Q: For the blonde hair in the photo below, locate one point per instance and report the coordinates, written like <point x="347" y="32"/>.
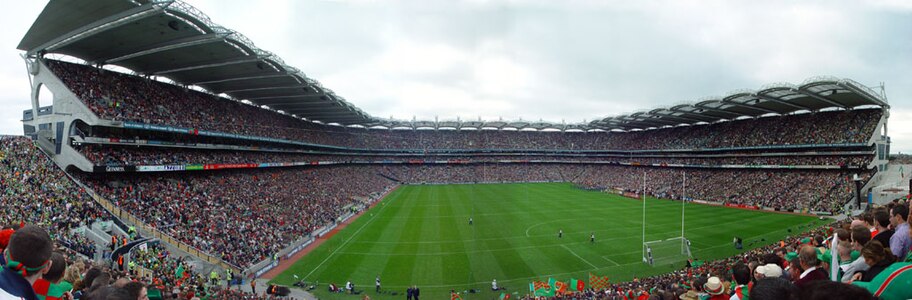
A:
<point x="72" y="275"/>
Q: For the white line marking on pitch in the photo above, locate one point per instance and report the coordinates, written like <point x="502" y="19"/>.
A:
<point x="611" y="261"/>
<point x="580" y="257"/>
<point x="346" y="241"/>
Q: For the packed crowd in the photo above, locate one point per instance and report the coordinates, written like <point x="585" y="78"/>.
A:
<point x="34" y="268"/>
<point x="128" y="155"/>
<point x="815" y="190"/>
<point x="34" y="191"/>
<point x="117" y="96"/>
<point x="166" y="271"/>
<point x="872" y="253"/>
<point x="248" y="220"/>
<point x="241" y="217"/>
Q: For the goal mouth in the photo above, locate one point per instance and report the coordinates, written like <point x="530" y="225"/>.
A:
<point x="667" y="251"/>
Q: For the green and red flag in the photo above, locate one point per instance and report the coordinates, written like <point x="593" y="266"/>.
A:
<point x="598" y="282"/>
<point x="541" y="288"/>
<point x="559" y="287"/>
<point x="577" y="285"/>
<point x="504" y="296"/>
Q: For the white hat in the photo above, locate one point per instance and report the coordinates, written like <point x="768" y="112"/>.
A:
<point x="770" y="270"/>
<point x="713" y="286"/>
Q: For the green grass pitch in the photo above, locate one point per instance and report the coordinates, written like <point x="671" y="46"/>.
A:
<point x="420" y="235"/>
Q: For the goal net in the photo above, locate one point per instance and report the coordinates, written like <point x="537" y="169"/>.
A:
<point x="667" y="251"/>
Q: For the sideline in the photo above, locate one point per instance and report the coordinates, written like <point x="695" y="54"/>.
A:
<point x="287" y="263"/>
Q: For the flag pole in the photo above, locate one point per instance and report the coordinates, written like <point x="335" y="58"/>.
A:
<point x="644" y="214"/>
<point x="683" y="200"/>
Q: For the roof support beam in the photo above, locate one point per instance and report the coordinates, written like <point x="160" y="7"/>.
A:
<point x="664" y="120"/>
<point x="110" y="22"/>
<point x="718" y="110"/>
<point x="267" y="98"/>
<point x="681" y="117"/>
<point x="211" y="64"/>
<point x="780" y="101"/>
<point x="323" y="109"/>
<point x="820" y="98"/>
<point x="170" y="45"/>
<point x="296" y="103"/>
<point x="264" y="88"/>
<point x="693" y="116"/>
<point x="201" y="83"/>
<point x="750" y="107"/>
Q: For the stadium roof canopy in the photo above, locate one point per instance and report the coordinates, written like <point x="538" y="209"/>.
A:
<point x="172" y="39"/>
<point x="175" y="40"/>
<point x="814" y="94"/>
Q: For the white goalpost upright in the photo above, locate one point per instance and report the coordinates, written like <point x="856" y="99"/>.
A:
<point x="669" y="250"/>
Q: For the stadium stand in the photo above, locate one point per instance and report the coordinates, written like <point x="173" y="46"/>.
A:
<point x="784" y="147"/>
<point x="807" y="159"/>
<point x="132" y="156"/>
<point x="116" y="96"/>
<point x="245" y="221"/>
<point x="35" y="191"/>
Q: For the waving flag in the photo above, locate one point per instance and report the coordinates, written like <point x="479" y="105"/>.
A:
<point x="540" y="288"/>
<point x="597" y="282"/>
<point x="577" y="285"/>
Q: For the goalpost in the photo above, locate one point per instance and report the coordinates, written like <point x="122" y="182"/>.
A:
<point x="669" y="250"/>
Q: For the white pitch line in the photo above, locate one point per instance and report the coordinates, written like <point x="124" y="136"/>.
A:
<point x="580" y="257"/>
<point x="346" y="242"/>
<point x="611" y="261"/>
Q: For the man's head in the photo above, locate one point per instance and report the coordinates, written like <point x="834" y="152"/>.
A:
<point x="771" y="258"/>
<point x="58" y="268"/>
<point x="795" y="268"/>
<point x="773" y="289"/>
<point x="29" y="252"/>
<point x="899" y="214"/>
<point x="137" y="290"/>
<point x="881" y="218"/>
<point x="807" y="255"/>
<point x="868" y="217"/>
<point x="741" y="273"/>
<point x="860" y="237"/>
<point x="780" y="252"/>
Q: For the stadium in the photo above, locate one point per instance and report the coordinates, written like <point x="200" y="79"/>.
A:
<point x="177" y="154"/>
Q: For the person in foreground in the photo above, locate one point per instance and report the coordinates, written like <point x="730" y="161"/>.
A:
<point x="25" y="260"/>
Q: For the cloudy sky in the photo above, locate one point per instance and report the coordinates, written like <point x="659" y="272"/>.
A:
<point x="550" y="60"/>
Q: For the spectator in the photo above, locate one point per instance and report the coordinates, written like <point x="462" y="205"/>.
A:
<point x="860" y="238"/>
<point x="876" y="256"/>
<point x="832" y="290"/>
<point x="882" y="225"/>
<point x="892" y="283"/>
<point x="48" y="286"/>
<point x="774" y="289"/>
<point x="900" y="242"/>
<point x="807" y="256"/>
<point x="742" y="276"/>
<point x="27" y="257"/>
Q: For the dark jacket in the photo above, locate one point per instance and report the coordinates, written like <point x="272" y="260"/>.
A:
<point x="15" y="285"/>
<point x="868" y="276"/>
<point x="816" y="274"/>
